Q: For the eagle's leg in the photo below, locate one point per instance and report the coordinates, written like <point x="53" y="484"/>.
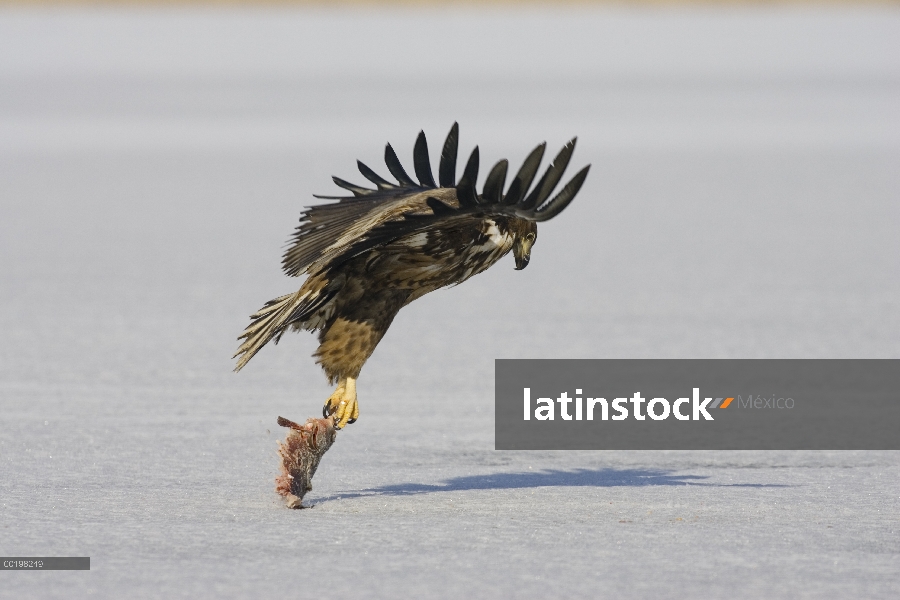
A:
<point x="347" y="342"/>
<point x="342" y="405"/>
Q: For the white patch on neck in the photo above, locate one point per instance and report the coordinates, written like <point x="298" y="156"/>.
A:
<point x="497" y="240"/>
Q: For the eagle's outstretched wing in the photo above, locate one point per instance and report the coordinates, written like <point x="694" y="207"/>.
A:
<point x="391" y="217"/>
<point x="331" y="234"/>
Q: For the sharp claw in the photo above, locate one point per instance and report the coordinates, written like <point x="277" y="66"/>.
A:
<point x="351" y="421"/>
<point x="341" y="406"/>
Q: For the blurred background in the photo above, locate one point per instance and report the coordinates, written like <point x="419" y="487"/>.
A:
<point x="154" y="159"/>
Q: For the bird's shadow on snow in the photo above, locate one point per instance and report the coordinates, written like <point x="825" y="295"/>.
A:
<point x="546" y="478"/>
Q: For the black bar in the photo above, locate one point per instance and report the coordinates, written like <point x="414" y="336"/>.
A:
<point x="45" y="563"/>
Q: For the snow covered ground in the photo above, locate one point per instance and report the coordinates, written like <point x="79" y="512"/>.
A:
<point x="743" y="203"/>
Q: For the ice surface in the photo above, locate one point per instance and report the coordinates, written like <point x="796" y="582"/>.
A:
<point x="743" y="203"/>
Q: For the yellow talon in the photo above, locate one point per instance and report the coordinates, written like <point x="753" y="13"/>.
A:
<point x="342" y="406"/>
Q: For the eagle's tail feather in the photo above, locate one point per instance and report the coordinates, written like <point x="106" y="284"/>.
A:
<point x="268" y="322"/>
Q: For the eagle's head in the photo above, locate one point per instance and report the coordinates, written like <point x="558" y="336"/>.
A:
<point x="525" y="235"/>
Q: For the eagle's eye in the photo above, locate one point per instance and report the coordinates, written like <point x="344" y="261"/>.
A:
<point x="529" y="237"/>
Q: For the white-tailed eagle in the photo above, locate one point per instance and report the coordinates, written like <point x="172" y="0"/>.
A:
<point x="368" y="255"/>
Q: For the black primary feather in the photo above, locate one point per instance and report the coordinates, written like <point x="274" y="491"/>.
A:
<point x="519" y="187"/>
<point x="447" y="168"/>
<point x="550" y="178"/>
<point x="422" y="162"/>
<point x="493" y="185"/>
<point x="562" y="199"/>
<point x="465" y="189"/>
<point x="383" y="184"/>
<point x="351" y="187"/>
<point x="396" y="169"/>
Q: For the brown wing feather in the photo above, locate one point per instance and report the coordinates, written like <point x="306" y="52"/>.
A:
<point x="320" y="226"/>
<point x="372" y="217"/>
